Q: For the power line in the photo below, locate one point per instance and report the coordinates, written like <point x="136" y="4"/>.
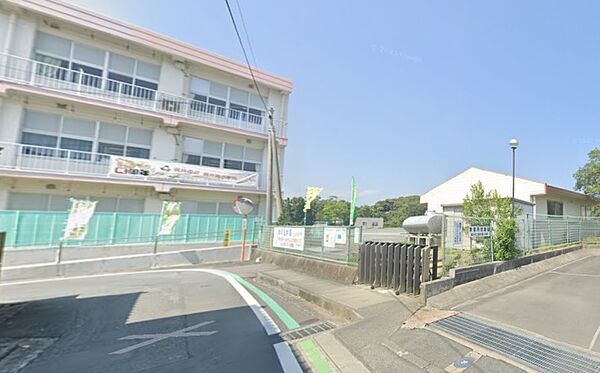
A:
<point x="246" y="32"/>
<point x="237" y="32"/>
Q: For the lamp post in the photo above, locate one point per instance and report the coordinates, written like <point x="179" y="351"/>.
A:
<point x="513" y="143"/>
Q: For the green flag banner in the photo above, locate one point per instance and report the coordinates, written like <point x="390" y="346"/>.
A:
<point x="353" y="196"/>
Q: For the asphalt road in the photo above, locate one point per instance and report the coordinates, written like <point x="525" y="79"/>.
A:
<point x="562" y="304"/>
<point x="151" y="322"/>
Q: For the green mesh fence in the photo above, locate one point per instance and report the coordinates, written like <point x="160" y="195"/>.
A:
<point x="29" y="229"/>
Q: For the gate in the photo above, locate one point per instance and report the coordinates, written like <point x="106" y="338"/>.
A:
<point x="397" y="266"/>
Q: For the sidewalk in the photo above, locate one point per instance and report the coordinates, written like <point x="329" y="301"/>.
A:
<point x="373" y="333"/>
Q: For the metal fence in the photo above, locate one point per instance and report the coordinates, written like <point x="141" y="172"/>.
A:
<point x="535" y="233"/>
<point x="343" y="249"/>
<point x="397" y="266"/>
<point x="31" y="229"/>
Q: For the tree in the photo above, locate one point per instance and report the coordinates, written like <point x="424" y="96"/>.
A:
<point x="481" y="208"/>
<point x="587" y="178"/>
<point x="334" y="211"/>
<point x="395" y="210"/>
<point x="292" y="213"/>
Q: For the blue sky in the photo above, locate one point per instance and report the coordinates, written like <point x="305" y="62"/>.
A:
<point x="405" y="94"/>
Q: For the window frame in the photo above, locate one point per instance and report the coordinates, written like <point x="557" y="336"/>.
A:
<point x="71" y="74"/>
<point x="201" y="154"/>
<point x="246" y="115"/>
<point x="95" y="139"/>
<point x="555" y="203"/>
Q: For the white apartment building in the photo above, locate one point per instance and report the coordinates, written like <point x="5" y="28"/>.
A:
<point x="93" y="107"/>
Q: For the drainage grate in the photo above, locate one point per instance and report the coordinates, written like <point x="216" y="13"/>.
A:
<point x="536" y="353"/>
<point x="309" y="330"/>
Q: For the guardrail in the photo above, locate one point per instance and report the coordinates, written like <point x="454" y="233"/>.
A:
<point x="35" y="73"/>
<point x="397" y="266"/>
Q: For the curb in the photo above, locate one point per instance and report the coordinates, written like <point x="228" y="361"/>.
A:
<point x="117" y="264"/>
<point x="334" y="307"/>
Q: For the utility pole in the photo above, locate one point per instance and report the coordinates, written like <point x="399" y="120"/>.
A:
<point x="273" y="172"/>
<point x="269" y="207"/>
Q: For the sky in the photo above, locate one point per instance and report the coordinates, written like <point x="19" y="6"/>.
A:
<point x="403" y="95"/>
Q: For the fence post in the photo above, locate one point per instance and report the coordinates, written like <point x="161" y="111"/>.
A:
<point x="186" y="238"/>
<point x="17" y="219"/>
<point x="253" y="230"/>
<point x="443" y="244"/>
<point x="403" y="267"/>
<point x="322" y="243"/>
<point x="549" y="231"/>
<point x="492" y="241"/>
<point x="349" y="241"/>
<point x="567" y="230"/>
<point x="416" y="283"/>
<point x="113" y="229"/>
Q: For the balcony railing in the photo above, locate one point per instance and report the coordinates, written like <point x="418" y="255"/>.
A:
<point x="36" y="73"/>
<point x="31" y="158"/>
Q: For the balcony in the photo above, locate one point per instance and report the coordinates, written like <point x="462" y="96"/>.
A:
<point x="73" y="163"/>
<point x="38" y="74"/>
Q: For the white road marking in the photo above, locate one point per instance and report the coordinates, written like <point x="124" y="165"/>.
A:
<point x="153" y="338"/>
<point x="575" y="274"/>
<point x="284" y="355"/>
<point x="594" y="338"/>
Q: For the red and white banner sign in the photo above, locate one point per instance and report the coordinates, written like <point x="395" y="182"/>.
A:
<point x="179" y="172"/>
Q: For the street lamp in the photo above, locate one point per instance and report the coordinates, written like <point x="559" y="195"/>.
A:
<point x="513" y="143"/>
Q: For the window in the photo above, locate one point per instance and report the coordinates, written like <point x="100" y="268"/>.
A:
<point x="231" y="164"/>
<point x="132" y="151"/>
<point x="555" y="208"/>
<point x="83" y="64"/>
<point x="132" y="77"/>
<point x="121" y="140"/>
<point x="51" y="202"/>
<point x="203" y="208"/>
<point x="211" y="162"/>
<point x="233" y="156"/>
<point x="112" y="149"/>
<point x="44" y="131"/>
<point x="214" y="98"/>
<point x="223" y="155"/>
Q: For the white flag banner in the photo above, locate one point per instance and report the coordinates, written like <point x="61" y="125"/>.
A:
<point x="171" y="212"/>
<point x="79" y="219"/>
<point x="136" y="168"/>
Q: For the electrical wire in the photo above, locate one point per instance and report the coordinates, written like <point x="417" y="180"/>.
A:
<point x="246" y="32"/>
<point x="237" y="32"/>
